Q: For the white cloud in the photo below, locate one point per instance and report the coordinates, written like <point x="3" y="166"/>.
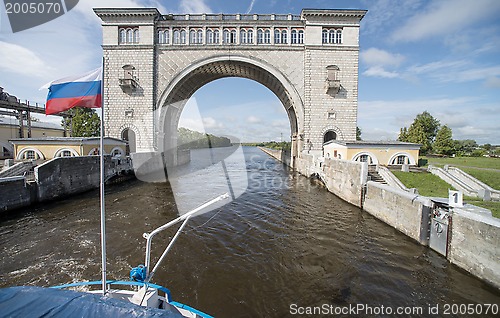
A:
<point x="378" y="57"/>
<point x="492" y="82"/>
<point x="445" y="17"/>
<point x="468" y="117"/>
<point x="458" y="71"/>
<point x="20" y="60"/>
<point x="194" y="6"/>
<point x="250" y="7"/>
<point x="211" y="123"/>
<point x="253" y="119"/>
<point x="383" y="14"/>
<point x="378" y="71"/>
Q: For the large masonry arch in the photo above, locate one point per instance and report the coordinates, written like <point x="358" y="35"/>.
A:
<point x="149" y="77"/>
<point x="200" y="73"/>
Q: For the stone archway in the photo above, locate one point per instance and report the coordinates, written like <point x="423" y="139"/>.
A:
<point x="182" y="87"/>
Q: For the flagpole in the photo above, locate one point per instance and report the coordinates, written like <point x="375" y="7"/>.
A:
<point x="103" y="214"/>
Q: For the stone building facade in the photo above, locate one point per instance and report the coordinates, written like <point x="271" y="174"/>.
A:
<point x="154" y="63"/>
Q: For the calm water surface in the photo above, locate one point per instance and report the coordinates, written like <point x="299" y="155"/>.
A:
<point x="285" y="241"/>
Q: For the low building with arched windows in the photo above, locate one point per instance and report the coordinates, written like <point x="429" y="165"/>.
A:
<point x="10" y="128"/>
<point x="385" y="153"/>
<point x="54" y="147"/>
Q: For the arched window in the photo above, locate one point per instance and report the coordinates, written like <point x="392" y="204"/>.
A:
<point x="339" y="37"/>
<point x="129" y="136"/>
<point x="130" y="36"/>
<point x="136" y="36"/>
<point x="301" y="37"/>
<point x="161" y="36"/>
<point x="192" y="37"/>
<point x="267" y="37"/>
<point x="30" y="154"/>
<point x="229" y="36"/>
<point x="183" y="36"/>
<point x="200" y="36"/>
<point x="123" y="36"/>
<point x="216" y="36"/>
<point x="277" y="36"/>
<point x="365" y="157"/>
<point x="331" y="37"/>
<point x="284" y="37"/>
<point x="325" y="36"/>
<point x="177" y="37"/>
<point x="65" y="152"/>
<point x="294" y="37"/>
<point x="260" y="36"/>
<point x="250" y="36"/>
<point x="402" y="158"/>
<point x="117" y="152"/>
<point x="210" y="36"/>
<point x="329" y="135"/>
<point x="243" y="36"/>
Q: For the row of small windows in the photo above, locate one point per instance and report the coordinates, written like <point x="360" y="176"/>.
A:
<point x="332" y="36"/>
<point x="35" y="154"/>
<point x="247" y="36"/>
<point x="128" y="35"/>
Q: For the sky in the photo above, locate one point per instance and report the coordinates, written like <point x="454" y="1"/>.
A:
<point x="439" y="56"/>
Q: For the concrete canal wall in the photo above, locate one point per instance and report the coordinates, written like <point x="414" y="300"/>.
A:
<point x="69" y="175"/>
<point x="474" y="243"/>
<point x="406" y="212"/>
<point x="14" y="193"/>
<point x="281" y="155"/>
<point x="345" y="179"/>
<point x="56" y="178"/>
<point x="474" y="237"/>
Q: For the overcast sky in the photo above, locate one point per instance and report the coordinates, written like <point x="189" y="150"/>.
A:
<point x="442" y="56"/>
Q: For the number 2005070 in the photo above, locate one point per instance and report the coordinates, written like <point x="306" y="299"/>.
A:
<point x="33" y="7"/>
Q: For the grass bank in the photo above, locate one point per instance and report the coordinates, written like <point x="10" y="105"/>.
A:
<point x="474" y="162"/>
<point x="430" y="185"/>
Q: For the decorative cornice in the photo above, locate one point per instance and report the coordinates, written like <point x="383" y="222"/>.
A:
<point x="341" y="13"/>
<point x="126" y="12"/>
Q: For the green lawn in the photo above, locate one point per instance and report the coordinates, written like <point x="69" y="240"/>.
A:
<point x="427" y="184"/>
<point x="478" y="162"/>
<point x="432" y="186"/>
<point x="494" y="207"/>
<point x="490" y="177"/>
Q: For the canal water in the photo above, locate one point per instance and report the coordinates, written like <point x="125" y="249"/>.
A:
<point x="283" y="245"/>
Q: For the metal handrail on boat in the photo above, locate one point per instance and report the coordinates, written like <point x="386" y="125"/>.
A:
<point x="118" y="282"/>
<point x="185" y="218"/>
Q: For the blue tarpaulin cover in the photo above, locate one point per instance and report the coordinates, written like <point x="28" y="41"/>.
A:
<point x="31" y="301"/>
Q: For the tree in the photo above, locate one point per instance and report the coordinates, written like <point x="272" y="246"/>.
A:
<point x="423" y="131"/>
<point x="465" y="147"/>
<point x="84" y="122"/>
<point x="358" y="133"/>
<point x="444" y="144"/>
<point x="429" y="124"/>
<point x="403" y="134"/>
<point x="416" y="134"/>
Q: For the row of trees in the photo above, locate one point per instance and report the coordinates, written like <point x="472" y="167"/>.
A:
<point x="436" y="138"/>
<point x="190" y="139"/>
<point x="271" y="144"/>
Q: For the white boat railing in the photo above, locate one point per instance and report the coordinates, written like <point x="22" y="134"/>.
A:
<point x="185" y="217"/>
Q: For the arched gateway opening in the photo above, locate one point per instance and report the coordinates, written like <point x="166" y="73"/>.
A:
<point x="181" y="88"/>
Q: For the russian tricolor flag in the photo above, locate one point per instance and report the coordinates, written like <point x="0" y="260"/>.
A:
<point x="74" y="91"/>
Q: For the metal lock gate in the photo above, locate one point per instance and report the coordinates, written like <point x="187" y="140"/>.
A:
<point x="438" y="239"/>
